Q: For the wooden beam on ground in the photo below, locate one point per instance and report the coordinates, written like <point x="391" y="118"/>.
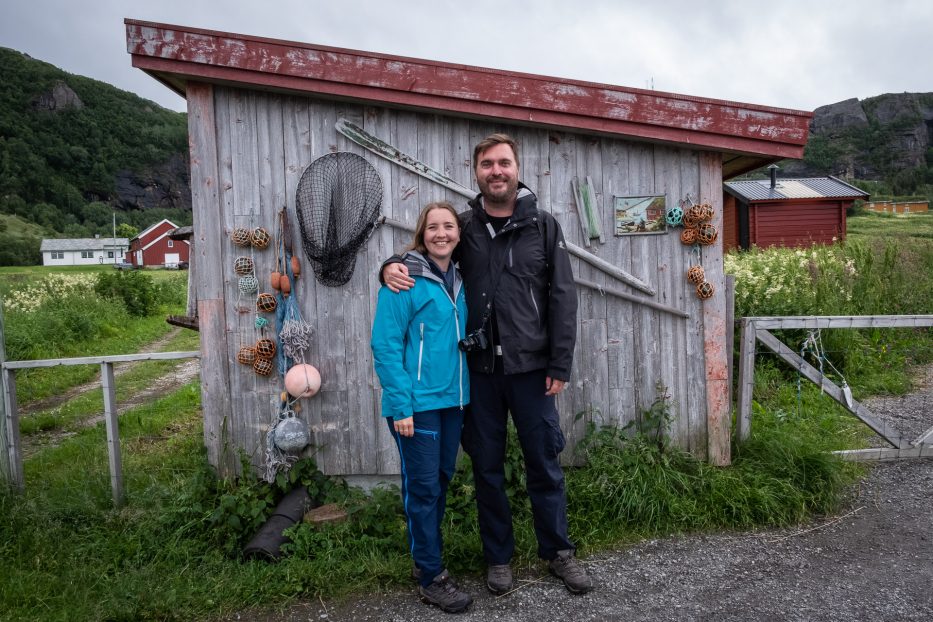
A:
<point x="886" y="453"/>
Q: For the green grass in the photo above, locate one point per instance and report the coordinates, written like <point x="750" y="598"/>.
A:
<point x="174" y="550"/>
<point x="138" y="378"/>
<point x="873" y="224"/>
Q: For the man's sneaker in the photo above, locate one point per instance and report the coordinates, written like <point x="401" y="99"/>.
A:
<point x="499" y="579"/>
<point x="566" y="568"/>
<point x="444" y="593"/>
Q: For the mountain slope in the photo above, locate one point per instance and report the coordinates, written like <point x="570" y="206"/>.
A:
<point x="73" y="150"/>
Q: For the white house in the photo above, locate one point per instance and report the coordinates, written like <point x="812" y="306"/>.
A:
<point x="83" y="251"/>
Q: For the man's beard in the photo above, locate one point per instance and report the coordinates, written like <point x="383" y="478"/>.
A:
<point x="503" y="196"/>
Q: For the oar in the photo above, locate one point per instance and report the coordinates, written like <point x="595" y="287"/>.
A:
<point x="381" y="148"/>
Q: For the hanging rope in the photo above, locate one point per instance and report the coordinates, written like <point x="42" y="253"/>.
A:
<point x="813" y="345"/>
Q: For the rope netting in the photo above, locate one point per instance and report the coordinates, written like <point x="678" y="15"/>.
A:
<point x="337" y="203"/>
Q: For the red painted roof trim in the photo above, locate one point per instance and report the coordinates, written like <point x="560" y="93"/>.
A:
<point x="178" y="54"/>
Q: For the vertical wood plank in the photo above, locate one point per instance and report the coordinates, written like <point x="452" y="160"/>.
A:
<point x="11" y="459"/>
<point x="378" y="122"/>
<point x="362" y="431"/>
<point x="694" y="361"/>
<point x="620" y="313"/>
<point x="644" y="258"/>
<point x="670" y="291"/>
<point x="746" y="380"/>
<point x="334" y="305"/>
<point x="714" y="320"/>
<point x="12" y="448"/>
<point x="207" y="212"/>
<point x="114" y="456"/>
<point x="250" y="208"/>
<point x="296" y="128"/>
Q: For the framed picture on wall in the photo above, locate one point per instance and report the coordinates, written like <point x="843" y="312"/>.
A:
<point x="641" y="214"/>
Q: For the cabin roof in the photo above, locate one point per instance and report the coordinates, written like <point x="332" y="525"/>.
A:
<point x="748" y="135"/>
<point x="82" y="244"/>
<point x="789" y="189"/>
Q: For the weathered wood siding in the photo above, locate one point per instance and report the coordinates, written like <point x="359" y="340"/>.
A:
<point x="248" y="152"/>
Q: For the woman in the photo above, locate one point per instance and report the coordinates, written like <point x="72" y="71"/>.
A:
<point x="425" y="387"/>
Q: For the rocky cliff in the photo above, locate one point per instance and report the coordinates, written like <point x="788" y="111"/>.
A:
<point x="869" y="139"/>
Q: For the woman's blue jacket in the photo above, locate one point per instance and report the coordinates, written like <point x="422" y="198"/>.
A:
<point x="414" y="342"/>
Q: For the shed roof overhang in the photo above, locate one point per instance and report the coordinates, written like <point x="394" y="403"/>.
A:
<point x="748" y="135"/>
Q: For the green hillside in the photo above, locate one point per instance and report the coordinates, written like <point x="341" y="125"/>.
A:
<point x="74" y="151"/>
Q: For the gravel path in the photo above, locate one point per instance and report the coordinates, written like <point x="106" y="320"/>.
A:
<point x="873" y="561"/>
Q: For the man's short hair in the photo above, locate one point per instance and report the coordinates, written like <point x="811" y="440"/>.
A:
<point x="491" y="141"/>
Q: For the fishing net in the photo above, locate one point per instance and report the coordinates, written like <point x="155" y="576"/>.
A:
<point x="337" y="204"/>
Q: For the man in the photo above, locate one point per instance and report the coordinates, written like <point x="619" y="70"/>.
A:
<point x="521" y="331"/>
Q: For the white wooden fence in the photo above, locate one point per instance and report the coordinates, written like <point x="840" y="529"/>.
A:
<point x="11" y="460"/>
<point x="757" y="329"/>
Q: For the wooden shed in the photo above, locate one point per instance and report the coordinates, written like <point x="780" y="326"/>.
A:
<point x="261" y="110"/>
<point x="786" y="212"/>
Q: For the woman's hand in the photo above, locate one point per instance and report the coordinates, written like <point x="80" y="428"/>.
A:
<point x="405" y="427"/>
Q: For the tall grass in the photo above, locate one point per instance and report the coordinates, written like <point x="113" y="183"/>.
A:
<point x="65" y="315"/>
<point x="175" y="550"/>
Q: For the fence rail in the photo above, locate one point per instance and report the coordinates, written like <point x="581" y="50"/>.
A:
<point x="757" y="329"/>
<point x="11" y="460"/>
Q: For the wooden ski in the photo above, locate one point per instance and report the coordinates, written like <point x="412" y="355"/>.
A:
<point x="383" y="149"/>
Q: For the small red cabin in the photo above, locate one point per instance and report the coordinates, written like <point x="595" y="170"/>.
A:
<point x="154" y="247"/>
<point x="786" y="212"/>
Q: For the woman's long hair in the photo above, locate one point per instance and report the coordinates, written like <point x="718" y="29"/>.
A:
<point x="417" y="242"/>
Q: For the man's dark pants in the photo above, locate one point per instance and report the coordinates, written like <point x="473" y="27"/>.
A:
<point x="492" y="397"/>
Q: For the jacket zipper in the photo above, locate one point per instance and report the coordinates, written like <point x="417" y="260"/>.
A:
<point x="460" y="355"/>
<point x="531" y="292"/>
<point x="420" y="351"/>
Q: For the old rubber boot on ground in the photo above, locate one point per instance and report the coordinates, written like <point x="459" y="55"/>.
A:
<point x="566" y="568"/>
<point x="499" y="579"/>
<point x="444" y="593"/>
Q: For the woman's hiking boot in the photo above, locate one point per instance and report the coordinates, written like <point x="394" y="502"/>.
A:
<point x="444" y="593"/>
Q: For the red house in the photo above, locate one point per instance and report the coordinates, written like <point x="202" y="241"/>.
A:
<point x="154" y="247"/>
<point x="786" y="212"/>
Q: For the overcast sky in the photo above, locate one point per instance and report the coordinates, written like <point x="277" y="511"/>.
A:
<point x="786" y="53"/>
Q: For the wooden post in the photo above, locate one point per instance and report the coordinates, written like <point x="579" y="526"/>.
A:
<point x="206" y="253"/>
<point x="718" y="419"/>
<point x="746" y="380"/>
<point x="11" y="457"/>
<point x="730" y="331"/>
<point x="113" y="432"/>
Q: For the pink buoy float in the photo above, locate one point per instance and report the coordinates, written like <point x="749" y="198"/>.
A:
<point x="302" y="380"/>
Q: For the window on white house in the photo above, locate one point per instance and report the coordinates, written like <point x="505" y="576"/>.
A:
<point x="87" y="254"/>
<point x="58" y="255"/>
<point x="109" y="254"/>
